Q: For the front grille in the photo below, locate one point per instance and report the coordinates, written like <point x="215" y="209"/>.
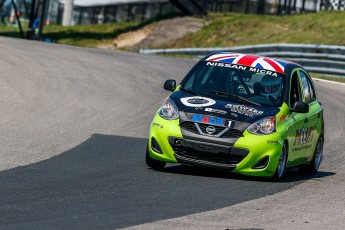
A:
<point x="233" y="133"/>
<point x="219" y="158"/>
<point x="191" y="127"/>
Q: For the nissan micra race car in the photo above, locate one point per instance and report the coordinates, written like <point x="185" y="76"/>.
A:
<point x="251" y="115"/>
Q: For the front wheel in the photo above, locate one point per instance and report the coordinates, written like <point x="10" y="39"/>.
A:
<point x="281" y="164"/>
<point x="152" y="163"/>
<point x="315" y="163"/>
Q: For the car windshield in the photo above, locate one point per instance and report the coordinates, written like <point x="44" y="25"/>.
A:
<point x="234" y="82"/>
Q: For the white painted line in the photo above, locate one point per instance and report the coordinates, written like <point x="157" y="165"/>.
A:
<point x="334" y="82"/>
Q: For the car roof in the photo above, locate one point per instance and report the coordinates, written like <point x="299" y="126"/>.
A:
<point x="255" y="61"/>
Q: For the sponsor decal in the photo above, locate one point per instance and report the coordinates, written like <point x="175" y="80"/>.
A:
<point x="215" y="111"/>
<point x="208" y="120"/>
<point x="227" y="65"/>
<point x="235" y="60"/>
<point x="272" y="142"/>
<point x="157" y="125"/>
<point x="282" y="117"/>
<point x="197" y="101"/>
<point x="301" y="148"/>
<point x="262" y="71"/>
<point x="245" y="68"/>
<point x="303" y="137"/>
<point x="244" y="110"/>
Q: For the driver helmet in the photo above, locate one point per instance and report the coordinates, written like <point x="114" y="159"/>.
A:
<point x="271" y="86"/>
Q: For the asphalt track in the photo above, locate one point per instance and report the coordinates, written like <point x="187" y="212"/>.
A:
<point x="74" y="124"/>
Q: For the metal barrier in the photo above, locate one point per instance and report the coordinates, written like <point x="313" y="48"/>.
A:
<point x="321" y="59"/>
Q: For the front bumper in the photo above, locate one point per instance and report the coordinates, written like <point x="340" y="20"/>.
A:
<point x="252" y="155"/>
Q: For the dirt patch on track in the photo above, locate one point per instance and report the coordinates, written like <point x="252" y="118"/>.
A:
<point x="157" y="34"/>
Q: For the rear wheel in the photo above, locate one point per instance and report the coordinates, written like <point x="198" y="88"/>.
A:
<point x="152" y="163"/>
<point x="315" y="163"/>
<point x="281" y="164"/>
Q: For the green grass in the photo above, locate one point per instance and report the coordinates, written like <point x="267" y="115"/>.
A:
<point x="224" y="30"/>
<point x="81" y="35"/>
<point x="87" y="35"/>
<point x="90" y="35"/>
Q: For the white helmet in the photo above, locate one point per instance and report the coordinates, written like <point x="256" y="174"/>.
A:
<point x="271" y="86"/>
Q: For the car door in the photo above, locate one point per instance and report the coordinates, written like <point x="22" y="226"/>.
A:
<point x="296" y="130"/>
<point x="313" y="125"/>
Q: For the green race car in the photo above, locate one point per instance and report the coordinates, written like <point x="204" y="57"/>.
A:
<point x="251" y="115"/>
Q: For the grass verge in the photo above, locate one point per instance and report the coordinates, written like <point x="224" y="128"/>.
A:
<point x="91" y="35"/>
<point x="225" y="29"/>
<point x="230" y="29"/>
<point x="80" y="35"/>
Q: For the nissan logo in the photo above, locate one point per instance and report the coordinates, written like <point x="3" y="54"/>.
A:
<point x="210" y="129"/>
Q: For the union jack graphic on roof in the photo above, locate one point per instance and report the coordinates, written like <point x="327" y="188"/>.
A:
<point x="250" y="60"/>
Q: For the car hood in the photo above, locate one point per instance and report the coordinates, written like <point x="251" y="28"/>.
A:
<point x="230" y="109"/>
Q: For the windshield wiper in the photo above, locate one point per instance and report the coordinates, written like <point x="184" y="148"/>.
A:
<point x="243" y="99"/>
<point x="190" y="91"/>
<point x="220" y="93"/>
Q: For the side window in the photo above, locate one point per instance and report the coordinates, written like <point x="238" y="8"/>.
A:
<point x="306" y="89"/>
<point x="295" y="90"/>
<point x="309" y="92"/>
<point x="311" y="88"/>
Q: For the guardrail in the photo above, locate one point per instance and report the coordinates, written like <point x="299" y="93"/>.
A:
<point x="321" y="59"/>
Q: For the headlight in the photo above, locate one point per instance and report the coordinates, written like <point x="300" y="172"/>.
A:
<point x="169" y="110"/>
<point x="263" y="126"/>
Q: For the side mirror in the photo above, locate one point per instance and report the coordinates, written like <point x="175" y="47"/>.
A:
<point x="300" y="107"/>
<point x="170" y="85"/>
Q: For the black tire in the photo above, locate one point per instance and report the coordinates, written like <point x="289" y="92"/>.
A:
<point x="152" y="163"/>
<point x="314" y="164"/>
<point x="279" y="173"/>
